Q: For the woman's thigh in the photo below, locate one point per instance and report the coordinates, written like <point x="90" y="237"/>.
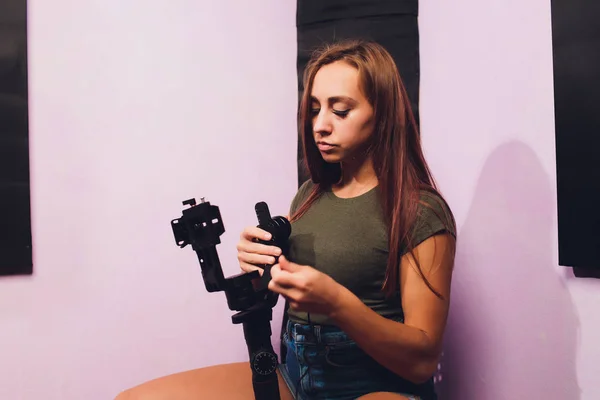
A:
<point x="384" y="396"/>
<point x="227" y="382"/>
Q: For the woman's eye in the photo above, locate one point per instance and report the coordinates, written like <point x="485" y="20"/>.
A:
<point x="341" y="113"/>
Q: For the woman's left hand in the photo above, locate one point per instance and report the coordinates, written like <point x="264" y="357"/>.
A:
<point x="305" y="288"/>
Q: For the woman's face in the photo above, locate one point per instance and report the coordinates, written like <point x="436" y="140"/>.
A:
<point x="342" y="118"/>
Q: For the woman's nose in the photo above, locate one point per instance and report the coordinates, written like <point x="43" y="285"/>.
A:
<point x="322" y="124"/>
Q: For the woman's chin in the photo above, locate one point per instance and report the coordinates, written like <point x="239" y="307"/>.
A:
<point x="332" y="155"/>
<point x="331" y="158"/>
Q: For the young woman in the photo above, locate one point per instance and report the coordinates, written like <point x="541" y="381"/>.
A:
<point x="368" y="272"/>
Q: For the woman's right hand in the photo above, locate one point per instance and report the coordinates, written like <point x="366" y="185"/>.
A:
<point x="251" y="253"/>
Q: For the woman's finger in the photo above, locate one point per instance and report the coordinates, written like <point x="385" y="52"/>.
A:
<point x="254" y="232"/>
<point x="282" y="279"/>
<point x="258" y="248"/>
<point x="287" y="265"/>
<point x="256" y="259"/>
<point x="249" y="268"/>
<point x="291" y="294"/>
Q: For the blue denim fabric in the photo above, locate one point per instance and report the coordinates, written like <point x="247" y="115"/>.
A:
<point x="322" y="362"/>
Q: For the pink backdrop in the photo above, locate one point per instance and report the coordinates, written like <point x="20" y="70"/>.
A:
<point x="520" y="325"/>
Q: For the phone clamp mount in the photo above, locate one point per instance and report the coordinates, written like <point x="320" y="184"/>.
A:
<point x="201" y="226"/>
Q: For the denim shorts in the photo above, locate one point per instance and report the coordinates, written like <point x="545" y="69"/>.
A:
<point x="322" y="362"/>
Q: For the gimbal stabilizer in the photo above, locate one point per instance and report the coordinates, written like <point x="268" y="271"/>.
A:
<point x="201" y="226"/>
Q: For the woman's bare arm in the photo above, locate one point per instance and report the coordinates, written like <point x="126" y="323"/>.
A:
<point x="411" y="349"/>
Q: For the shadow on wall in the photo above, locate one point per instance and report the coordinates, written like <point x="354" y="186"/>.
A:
<point x="513" y="329"/>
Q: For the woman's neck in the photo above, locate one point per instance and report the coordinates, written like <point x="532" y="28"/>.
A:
<point x="357" y="178"/>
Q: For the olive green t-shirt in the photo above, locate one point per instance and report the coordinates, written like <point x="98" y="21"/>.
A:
<point x="346" y="238"/>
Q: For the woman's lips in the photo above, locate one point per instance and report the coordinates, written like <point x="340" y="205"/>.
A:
<point x="323" y="146"/>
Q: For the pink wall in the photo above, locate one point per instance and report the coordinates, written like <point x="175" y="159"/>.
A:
<point x="172" y="99"/>
<point x="520" y="326"/>
<point x="135" y="107"/>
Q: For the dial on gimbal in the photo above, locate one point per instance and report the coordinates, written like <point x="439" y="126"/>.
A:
<point x="201" y="226"/>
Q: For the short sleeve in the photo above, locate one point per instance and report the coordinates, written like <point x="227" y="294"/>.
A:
<point x="433" y="217"/>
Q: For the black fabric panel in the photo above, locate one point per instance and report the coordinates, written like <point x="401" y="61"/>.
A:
<point x="309" y="12"/>
<point x="576" y="51"/>
<point x="388" y="25"/>
<point x="15" y="220"/>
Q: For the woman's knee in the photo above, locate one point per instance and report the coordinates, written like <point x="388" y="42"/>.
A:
<point x="124" y="395"/>
<point x="226" y="381"/>
<point x="222" y="381"/>
<point x="384" y="396"/>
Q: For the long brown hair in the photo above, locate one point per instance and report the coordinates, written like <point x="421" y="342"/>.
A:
<point x="395" y="146"/>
